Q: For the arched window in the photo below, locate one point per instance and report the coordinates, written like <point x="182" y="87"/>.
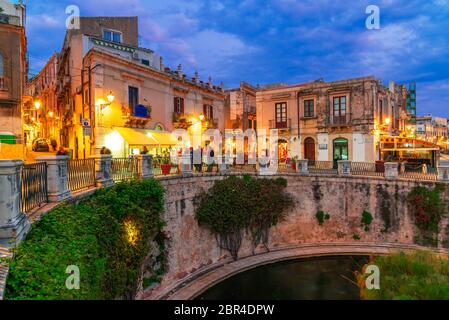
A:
<point x="2" y="72"/>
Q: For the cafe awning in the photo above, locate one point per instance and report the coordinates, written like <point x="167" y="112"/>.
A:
<point x="137" y="137"/>
<point x="165" y="139"/>
<point x="389" y="143"/>
<point x="149" y="138"/>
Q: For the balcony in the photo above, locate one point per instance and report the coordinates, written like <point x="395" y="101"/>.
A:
<point x="339" y="121"/>
<point x="287" y="125"/>
<point x="138" y="118"/>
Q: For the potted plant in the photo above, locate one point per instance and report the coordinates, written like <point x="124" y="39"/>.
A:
<point x="166" y="164"/>
<point x="293" y="163"/>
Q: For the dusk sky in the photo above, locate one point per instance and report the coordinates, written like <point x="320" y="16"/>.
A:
<point x="289" y="41"/>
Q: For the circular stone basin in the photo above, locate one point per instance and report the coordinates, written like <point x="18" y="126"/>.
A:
<point x="326" y="278"/>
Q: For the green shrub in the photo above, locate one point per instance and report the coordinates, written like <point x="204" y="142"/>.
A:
<point x="235" y="205"/>
<point x="107" y="236"/>
<point x="416" y="276"/>
<point x="322" y="216"/>
<point x="367" y="219"/>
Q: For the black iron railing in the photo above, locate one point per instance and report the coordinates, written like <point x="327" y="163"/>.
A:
<point x="124" y="169"/>
<point x="81" y="174"/>
<point x="34" y="192"/>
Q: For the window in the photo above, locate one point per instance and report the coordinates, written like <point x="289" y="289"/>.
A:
<point x="281" y="115"/>
<point x="113" y="36"/>
<point x="146" y="62"/>
<point x="179" y="106"/>
<point x="309" y="109"/>
<point x="133" y="98"/>
<point x="381" y="111"/>
<point x="208" y="111"/>
<point x="339" y="106"/>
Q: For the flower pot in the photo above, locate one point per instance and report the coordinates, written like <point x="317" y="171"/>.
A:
<point x="166" y="168"/>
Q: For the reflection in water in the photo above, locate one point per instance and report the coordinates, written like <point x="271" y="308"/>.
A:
<point x="325" y="278"/>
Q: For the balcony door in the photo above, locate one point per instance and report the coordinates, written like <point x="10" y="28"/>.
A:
<point x="339" y="113"/>
<point x="341" y="149"/>
<point x="281" y="115"/>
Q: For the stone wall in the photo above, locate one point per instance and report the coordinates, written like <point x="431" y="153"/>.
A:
<point x="192" y="248"/>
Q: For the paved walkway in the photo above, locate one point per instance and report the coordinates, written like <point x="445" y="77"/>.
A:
<point x="198" y="283"/>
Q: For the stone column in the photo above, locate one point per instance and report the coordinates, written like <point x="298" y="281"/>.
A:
<point x="302" y="166"/>
<point x="443" y="173"/>
<point x="103" y="169"/>
<point x="144" y="166"/>
<point x="391" y="170"/>
<point x="223" y="166"/>
<point x="186" y="164"/>
<point x="344" y="168"/>
<point x="13" y="223"/>
<point x="57" y="177"/>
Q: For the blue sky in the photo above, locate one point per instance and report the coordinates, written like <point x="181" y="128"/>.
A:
<point x="289" y="41"/>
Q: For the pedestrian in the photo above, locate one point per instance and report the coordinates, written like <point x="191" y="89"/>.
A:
<point x="54" y="144"/>
<point x="145" y="150"/>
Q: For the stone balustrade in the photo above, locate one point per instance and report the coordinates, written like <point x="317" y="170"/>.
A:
<point x="13" y="222"/>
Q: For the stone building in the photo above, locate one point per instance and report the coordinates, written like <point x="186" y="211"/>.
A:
<point x="42" y="115"/>
<point x="433" y="129"/>
<point x="241" y="107"/>
<point x="119" y="95"/>
<point x="13" y="75"/>
<point x="326" y="121"/>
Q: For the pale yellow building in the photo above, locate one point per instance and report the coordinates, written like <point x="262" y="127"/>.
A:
<point x="120" y="96"/>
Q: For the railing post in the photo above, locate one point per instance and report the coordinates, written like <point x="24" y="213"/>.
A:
<point x="186" y="164"/>
<point x="103" y="170"/>
<point x="57" y="177"/>
<point x="144" y="166"/>
<point x="302" y="166"/>
<point x="13" y="223"/>
<point x="443" y="173"/>
<point x="344" y="168"/>
<point x="391" y="170"/>
<point x="223" y="167"/>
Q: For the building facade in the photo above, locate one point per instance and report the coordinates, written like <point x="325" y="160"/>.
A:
<point x="328" y="121"/>
<point x="241" y="106"/>
<point x="42" y="114"/>
<point x="433" y="129"/>
<point x="117" y="95"/>
<point x="13" y="75"/>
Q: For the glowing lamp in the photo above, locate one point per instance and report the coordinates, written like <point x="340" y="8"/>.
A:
<point x="387" y="121"/>
<point x="111" y="97"/>
<point x="37" y="105"/>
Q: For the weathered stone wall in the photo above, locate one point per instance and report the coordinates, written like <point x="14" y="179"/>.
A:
<point x="192" y="248"/>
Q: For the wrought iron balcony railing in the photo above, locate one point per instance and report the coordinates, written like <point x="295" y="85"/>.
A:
<point x="343" y="120"/>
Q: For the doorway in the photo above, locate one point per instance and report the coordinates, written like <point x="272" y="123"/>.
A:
<point x="309" y="149"/>
<point x="341" y="149"/>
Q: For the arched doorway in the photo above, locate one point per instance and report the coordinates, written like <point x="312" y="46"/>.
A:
<point x="341" y="149"/>
<point x="282" y="150"/>
<point x="309" y="149"/>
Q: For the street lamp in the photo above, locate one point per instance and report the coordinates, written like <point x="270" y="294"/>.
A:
<point x="37" y="105"/>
